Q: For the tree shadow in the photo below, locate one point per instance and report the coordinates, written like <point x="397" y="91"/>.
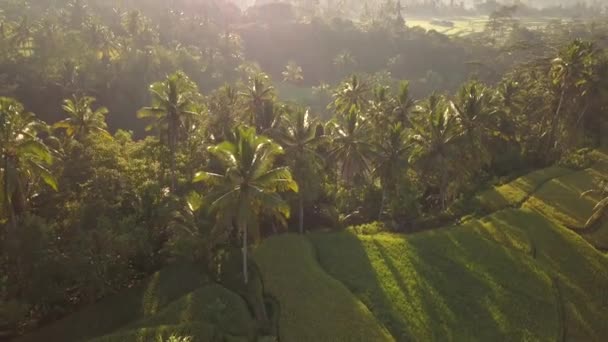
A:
<point x="441" y="285"/>
<point x="580" y="270"/>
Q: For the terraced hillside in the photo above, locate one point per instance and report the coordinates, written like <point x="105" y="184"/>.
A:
<point x="177" y="301"/>
<point x="313" y="305"/>
<point x="516" y="274"/>
<point x="526" y="271"/>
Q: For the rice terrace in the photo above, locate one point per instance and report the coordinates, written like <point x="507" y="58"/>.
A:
<point x="299" y="170"/>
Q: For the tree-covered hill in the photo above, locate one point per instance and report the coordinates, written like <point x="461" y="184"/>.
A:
<point x="194" y="170"/>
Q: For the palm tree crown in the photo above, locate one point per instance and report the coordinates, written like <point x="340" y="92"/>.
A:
<point x="250" y="184"/>
<point x="25" y="158"/>
<point x="82" y="119"/>
<point x="174" y="109"/>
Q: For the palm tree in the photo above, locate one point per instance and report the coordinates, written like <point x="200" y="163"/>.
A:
<point x="174" y="106"/>
<point x="351" y="149"/>
<point x="567" y="74"/>
<point x="390" y="159"/>
<point x="297" y="134"/>
<point x="601" y="207"/>
<point x="475" y="109"/>
<point x="293" y="73"/>
<point x="404" y="104"/>
<point x="435" y="130"/>
<point x="258" y="96"/>
<point x="82" y="119"/>
<point x="351" y="94"/>
<point x="222" y="106"/>
<point x="25" y="158"/>
<point x="248" y="187"/>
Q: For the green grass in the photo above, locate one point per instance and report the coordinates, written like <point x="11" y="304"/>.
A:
<point x="560" y="198"/>
<point x="198" y="332"/>
<point x="210" y="304"/>
<point x="452" y="284"/>
<point x="210" y="313"/>
<point x="580" y="270"/>
<point x="313" y="305"/>
<point x="118" y="310"/>
<point x="515" y="192"/>
<point x="514" y="275"/>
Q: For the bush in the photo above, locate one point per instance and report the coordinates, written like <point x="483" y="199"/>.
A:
<point x="371" y="228"/>
<point x="578" y="160"/>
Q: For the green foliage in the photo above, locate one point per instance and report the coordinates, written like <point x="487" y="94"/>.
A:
<point x="26" y="159"/>
<point x="212" y="304"/>
<point x="200" y="332"/>
<point x="577" y="160"/>
<point x="114" y="312"/>
<point x="117" y="209"/>
<point x="313" y="305"/>
<point x="368" y="228"/>
<point x="82" y="119"/>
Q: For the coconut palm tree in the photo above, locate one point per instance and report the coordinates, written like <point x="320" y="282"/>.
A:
<point x="293" y="73"/>
<point x="351" y="94"/>
<point x="25" y="158"/>
<point x="390" y="159"/>
<point x="82" y="119"/>
<point x="258" y="97"/>
<point x="297" y="133"/>
<point x="435" y="130"/>
<point x="404" y="104"/>
<point x="174" y="106"/>
<point x="568" y="75"/>
<point x="249" y="185"/>
<point x="351" y="149"/>
<point x="476" y="109"/>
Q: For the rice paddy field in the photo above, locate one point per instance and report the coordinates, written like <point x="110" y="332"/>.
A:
<point x="462" y="26"/>
<point x="528" y="270"/>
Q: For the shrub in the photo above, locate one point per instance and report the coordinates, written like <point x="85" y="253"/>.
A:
<point x="369" y="228"/>
<point x="578" y="160"/>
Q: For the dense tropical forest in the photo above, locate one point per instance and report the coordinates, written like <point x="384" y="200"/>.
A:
<point x="210" y="170"/>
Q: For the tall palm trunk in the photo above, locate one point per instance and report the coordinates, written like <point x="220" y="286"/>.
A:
<point x="301" y="213"/>
<point x="12" y="216"/>
<point x="383" y="200"/>
<point x="443" y="186"/>
<point x="555" y="120"/>
<point x="172" y="136"/>
<point x="245" y="257"/>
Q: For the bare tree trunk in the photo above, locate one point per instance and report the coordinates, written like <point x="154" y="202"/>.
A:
<point x="245" y="258"/>
<point x="582" y="115"/>
<point x="172" y="148"/>
<point x="444" y="185"/>
<point x="555" y="120"/>
<point x="301" y="213"/>
<point x="382" y="201"/>
<point x="12" y="216"/>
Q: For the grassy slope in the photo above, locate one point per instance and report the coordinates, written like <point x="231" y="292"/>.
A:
<point x="516" y="274"/>
<point x="560" y="199"/>
<point x="207" y="314"/>
<point x="446" y="285"/>
<point x="579" y="270"/>
<point x="175" y="301"/>
<point x="515" y="192"/>
<point x="313" y="306"/>
<point x="116" y="311"/>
